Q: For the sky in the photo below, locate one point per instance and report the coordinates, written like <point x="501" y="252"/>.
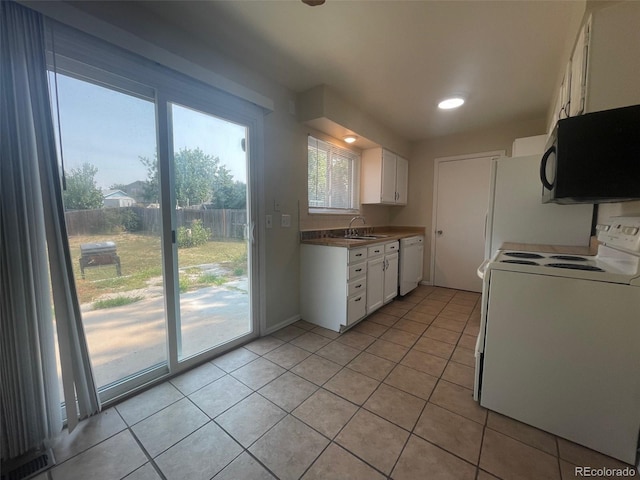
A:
<point x="111" y="130"/>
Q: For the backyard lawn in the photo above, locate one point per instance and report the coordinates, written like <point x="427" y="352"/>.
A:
<point x="141" y="265"/>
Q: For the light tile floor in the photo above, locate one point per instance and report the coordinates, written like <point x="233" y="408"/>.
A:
<point x="391" y="398"/>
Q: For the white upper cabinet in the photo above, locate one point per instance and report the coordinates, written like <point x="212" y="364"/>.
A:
<point x="384" y="177"/>
<point x="613" y="62"/>
<point x="603" y="71"/>
<point x="387" y="180"/>
<point x="402" y="180"/>
<point x="578" y="82"/>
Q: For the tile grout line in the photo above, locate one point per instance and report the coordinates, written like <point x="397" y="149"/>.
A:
<point x="412" y="432"/>
<point x="150" y="459"/>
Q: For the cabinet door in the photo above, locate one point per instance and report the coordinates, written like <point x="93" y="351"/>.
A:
<point x="578" y="74"/>
<point x="402" y="180"/>
<point x="375" y="284"/>
<point x="391" y="277"/>
<point x="565" y="92"/>
<point x="356" y="308"/>
<point x="388" y="187"/>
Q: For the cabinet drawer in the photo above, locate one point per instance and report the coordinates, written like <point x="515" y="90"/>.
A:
<point x="391" y="247"/>
<point x="356" y="308"/>
<point x="375" y="250"/>
<point x="357" y="270"/>
<point x="357" y="254"/>
<point x="356" y="287"/>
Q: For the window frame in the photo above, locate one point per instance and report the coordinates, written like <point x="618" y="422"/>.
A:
<point x="355" y="157"/>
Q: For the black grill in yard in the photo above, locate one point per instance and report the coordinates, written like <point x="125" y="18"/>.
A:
<point x="96" y="254"/>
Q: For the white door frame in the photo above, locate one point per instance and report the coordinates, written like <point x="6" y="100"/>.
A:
<point x="434" y="202"/>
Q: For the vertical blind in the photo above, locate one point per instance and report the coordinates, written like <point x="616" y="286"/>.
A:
<point x="333" y="176"/>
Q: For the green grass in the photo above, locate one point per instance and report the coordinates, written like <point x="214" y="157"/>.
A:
<point x="189" y="282"/>
<point x="141" y="262"/>
<point x="115" y="302"/>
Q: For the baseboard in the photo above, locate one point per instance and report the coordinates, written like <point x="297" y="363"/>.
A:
<point x="282" y="324"/>
<point x="428" y="283"/>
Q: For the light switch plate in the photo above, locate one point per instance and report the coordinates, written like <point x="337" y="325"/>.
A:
<point x="286" y="220"/>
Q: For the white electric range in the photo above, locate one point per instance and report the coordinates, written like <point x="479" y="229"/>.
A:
<point x="559" y="341"/>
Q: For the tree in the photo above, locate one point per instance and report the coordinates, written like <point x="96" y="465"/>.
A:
<point x="227" y="192"/>
<point x="193" y="170"/>
<point x="81" y="192"/>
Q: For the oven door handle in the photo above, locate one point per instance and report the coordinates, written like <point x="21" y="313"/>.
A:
<point x="482" y="269"/>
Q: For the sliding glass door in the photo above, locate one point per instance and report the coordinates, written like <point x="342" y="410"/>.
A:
<point x="114" y="237"/>
<point x="159" y="193"/>
<point x="211" y="224"/>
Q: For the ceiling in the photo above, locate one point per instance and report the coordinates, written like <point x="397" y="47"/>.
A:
<point x="396" y="59"/>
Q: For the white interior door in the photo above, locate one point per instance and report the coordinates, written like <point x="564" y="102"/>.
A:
<point x="462" y="195"/>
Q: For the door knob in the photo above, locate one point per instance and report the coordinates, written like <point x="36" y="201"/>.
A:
<point x="439" y="232"/>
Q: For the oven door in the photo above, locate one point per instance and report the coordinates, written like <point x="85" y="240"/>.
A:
<point x="479" y="351"/>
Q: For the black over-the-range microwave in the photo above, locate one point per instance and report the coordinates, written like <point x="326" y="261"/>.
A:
<point x="593" y="158"/>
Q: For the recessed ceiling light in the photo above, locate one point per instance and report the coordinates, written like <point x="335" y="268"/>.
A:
<point x="449" y="103"/>
<point x="350" y="138"/>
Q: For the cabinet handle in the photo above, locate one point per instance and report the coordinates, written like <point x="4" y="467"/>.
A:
<point x="359" y="286"/>
<point x="358" y="299"/>
<point x="358" y="269"/>
<point x="358" y="254"/>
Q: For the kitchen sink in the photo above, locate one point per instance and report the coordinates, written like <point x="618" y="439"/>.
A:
<point x="365" y="237"/>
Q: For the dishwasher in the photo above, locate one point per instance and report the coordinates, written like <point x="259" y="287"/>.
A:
<point x="411" y="253"/>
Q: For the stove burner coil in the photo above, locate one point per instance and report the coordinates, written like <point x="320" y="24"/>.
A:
<point x="568" y="258"/>
<point x="523" y="255"/>
<point x="574" y="266"/>
<point x="520" y="262"/>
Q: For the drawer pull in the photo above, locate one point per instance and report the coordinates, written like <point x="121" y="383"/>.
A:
<point x="358" y="254"/>
<point x="359" y="286"/>
<point x="358" y="269"/>
<point x="358" y="299"/>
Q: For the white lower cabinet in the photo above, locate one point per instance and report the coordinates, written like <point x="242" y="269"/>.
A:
<point x="340" y="286"/>
<point x="382" y="275"/>
<point x="356" y="308"/>
<point x="391" y="277"/>
<point x="375" y="283"/>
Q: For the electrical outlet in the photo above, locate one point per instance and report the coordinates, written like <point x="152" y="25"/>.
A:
<point x="269" y="221"/>
<point x="286" y="220"/>
<point x="276" y="206"/>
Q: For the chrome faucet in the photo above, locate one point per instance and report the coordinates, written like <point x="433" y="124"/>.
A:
<point x="352" y="231"/>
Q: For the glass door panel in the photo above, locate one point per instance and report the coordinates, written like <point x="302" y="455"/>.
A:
<point x="108" y="140"/>
<point x="210" y="178"/>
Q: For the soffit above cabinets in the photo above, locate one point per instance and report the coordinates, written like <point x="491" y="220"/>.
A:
<point x="335" y="130"/>
<point x="325" y="110"/>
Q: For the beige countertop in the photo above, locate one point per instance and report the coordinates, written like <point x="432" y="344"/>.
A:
<point x="390" y="235"/>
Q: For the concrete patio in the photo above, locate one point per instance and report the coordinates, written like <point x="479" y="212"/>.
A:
<point x="128" y="339"/>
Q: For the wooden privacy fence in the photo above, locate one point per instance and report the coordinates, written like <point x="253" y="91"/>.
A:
<point x="222" y="223"/>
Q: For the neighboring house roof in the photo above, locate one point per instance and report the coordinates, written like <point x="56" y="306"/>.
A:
<point x="114" y="194"/>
